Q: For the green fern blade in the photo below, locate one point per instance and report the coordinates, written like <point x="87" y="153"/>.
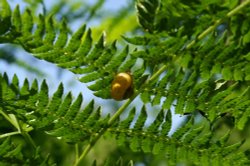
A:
<point x="171" y="151"/>
<point x="40" y="29"/>
<point x="36" y="43"/>
<point x="138" y="40"/>
<point x="38" y="49"/>
<point x="227" y="150"/>
<point x="181" y="131"/>
<point x="50" y="34"/>
<point x="243" y="120"/>
<point x="5" y="9"/>
<point x="138" y="74"/>
<point x="158" y="148"/>
<point x="146" y="97"/>
<point x="157" y="99"/>
<point x="62" y="37"/>
<point x="43" y="96"/>
<point x="179" y="108"/>
<point x="27" y="24"/>
<point x="6" y="93"/>
<point x="202" y="139"/>
<point x="25" y="88"/>
<point x="5" y="17"/>
<point x="135" y="144"/>
<point x="101" y="84"/>
<point x="190" y="105"/>
<point x="26" y="92"/>
<point x="5" y="146"/>
<point x="216" y="69"/>
<point x="126" y="66"/>
<point x="103" y="93"/>
<point x="54" y="104"/>
<point x="74" y="108"/>
<point x="96" y="51"/>
<point x="75" y="40"/>
<point x="247" y="69"/>
<point x="85" y="47"/>
<point x="106" y="56"/>
<point x="227" y="73"/>
<point x="62" y="110"/>
<point x="13" y="154"/>
<point x="189" y="136"/>
<point x="141" y="120"/>
<point x="125" y="124"/>
<point x="147" y="145"/>
<point x="121" y="138"/>
<point x="16" y="20"/>
<point x="79" y="58"/>
<point x="205" y="159"/>
<point x="91" y="121"/>
<point x="82" y="70"/>
<point x="83" y="115"/>
<point x="154" y="127"/>
<point x="238" y="74"/>
<point x="168" y="101"/>
<point x="91" y="77"/>
<point x="166" y="126"/>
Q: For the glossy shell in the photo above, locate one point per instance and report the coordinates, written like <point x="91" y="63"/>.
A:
<point x="122" y="86"/>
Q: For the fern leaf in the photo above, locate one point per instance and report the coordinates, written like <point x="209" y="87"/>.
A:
<point x="141" y="120"/>
<point x="27" y="24"/>
<point x="63" y="36"/>
<point x="74" y="108"/>
<point x="16" y="20"/>
<point x="191" y="143"/>
<point x="58" y="116"/>
<point x="147" y="10"/>
<point x="76" y="53"/>
<point x="5" y="17"/>
<point x="13" y="153"/>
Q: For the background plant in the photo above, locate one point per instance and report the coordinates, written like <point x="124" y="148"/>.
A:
<point x="188" y="58"/>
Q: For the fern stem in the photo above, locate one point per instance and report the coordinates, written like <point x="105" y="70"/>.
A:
<point x="9" y="134"/>
<point x="217" y="22"/>
<point x="76" y="152"/>
<point x="238" y="8"/>
<point x="157" y="74"/>
<point x="117" y="115"/>
<point x="121" y="109"/>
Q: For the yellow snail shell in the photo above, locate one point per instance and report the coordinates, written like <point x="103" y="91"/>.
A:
<point x="121" y="87"/>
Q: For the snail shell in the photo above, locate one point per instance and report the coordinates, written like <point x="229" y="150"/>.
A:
<point x="122" y="86"/>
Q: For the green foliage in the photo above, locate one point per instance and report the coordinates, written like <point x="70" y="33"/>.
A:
<point x="58" y="116"/>
<point x="192" y="143"/>
<point x="193" y="58"/>
<point x="78" y="54"/>
<point x="13" y="154"/>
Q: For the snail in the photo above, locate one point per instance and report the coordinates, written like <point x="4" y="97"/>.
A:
<point x="122" y="86"/>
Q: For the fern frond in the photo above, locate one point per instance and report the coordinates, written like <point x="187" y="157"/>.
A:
<point x="119" y="162"/>
<point x="8" y="150"/>
<point x="59" y="116"/>
<point x="186" y="93"/>
<point x="192" y="143"/>
<point x="78" y="53"/>
<point x="190" y="81"/>
<point x="5" y="17"/>
<point x="13" y="153"/>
